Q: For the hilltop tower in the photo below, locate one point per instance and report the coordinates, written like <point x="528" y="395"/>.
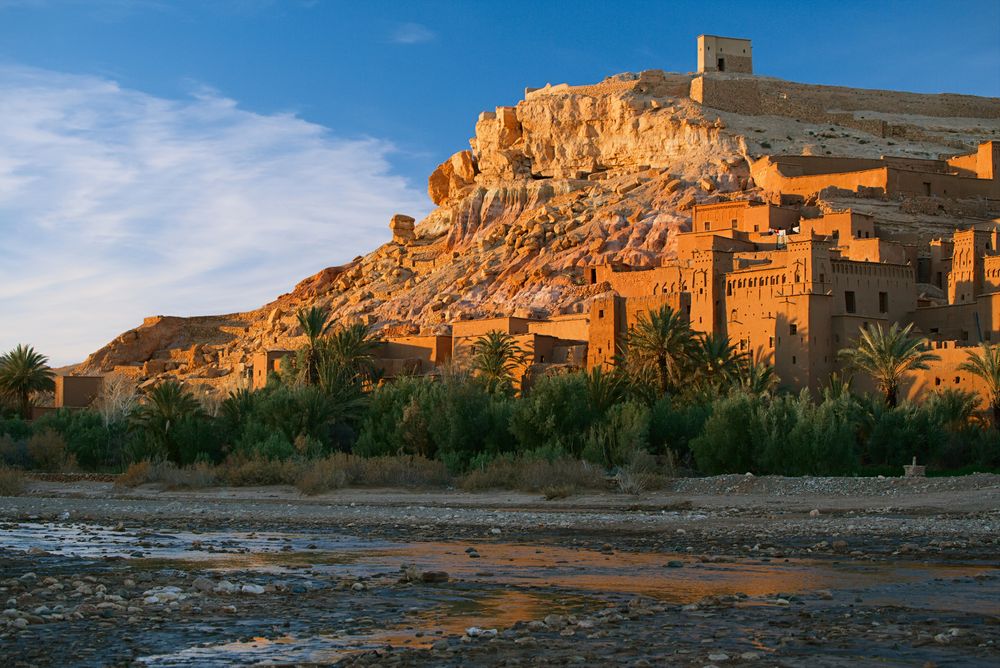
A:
<point x="724" y="54"/>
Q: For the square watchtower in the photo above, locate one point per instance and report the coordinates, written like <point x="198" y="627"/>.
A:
<point x="724" y="54"/>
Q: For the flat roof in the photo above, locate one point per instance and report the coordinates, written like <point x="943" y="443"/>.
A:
<point x="738" y="39"/>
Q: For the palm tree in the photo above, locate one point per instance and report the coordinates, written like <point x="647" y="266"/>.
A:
<point x="886" y="355"/>
<point x="837" y="385"/>
<point x="953" y="407"/>
<point x="661" y="341"/>
<point x="314" y="322"/>
<point x="717" y="361"/>
<point x="496" y="356"/>
<point x="165" y="406"/>
<point x="986" y="365"/>
<point x="755" y="376"/>
<point x="604" y="389"/>
<point x="350" y="350"/>
<point x="23" y="372"/>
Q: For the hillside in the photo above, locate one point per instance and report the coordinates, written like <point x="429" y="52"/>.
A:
<point x="570" y="177"/>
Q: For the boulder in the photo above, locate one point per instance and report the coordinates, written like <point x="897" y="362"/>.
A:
<point x="402" y="229"/>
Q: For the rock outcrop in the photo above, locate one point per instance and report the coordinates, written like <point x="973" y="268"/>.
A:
<point x="569" y="177"/>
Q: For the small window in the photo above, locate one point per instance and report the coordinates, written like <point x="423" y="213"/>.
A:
<point x="883" y="302"/>
<point x="937" y="381"/>
<point x="965" y="335"/>
<point x="849" y="303"/>
<point x="770" y="342"/>
<point x="793" y="329"/>
<point x="600" y="313"/>
<point x="707" y="227"/>
<point x="593" y="276"/>
<point x="735" y="223"/>
<point x="794" y="361"/>
<point x="958" y="379"/>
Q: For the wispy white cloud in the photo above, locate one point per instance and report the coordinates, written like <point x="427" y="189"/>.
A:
<point x="412" y="33"/>
<point x="115" y="204"/>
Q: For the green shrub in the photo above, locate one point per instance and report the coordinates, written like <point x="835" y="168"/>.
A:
<point x="785" y="434"/>
<point x="727" y="443"/>
<point x="15" y="427"/>
<point x="615" y="439"/>
<point x="896" y="435"/>
<point x="94" y="444"/>
<point x="673" y="424"/>
<point x="198" y="439"/>
<point x="397" y="421"/>
<point x="465" y="420"/>
<point x="802" y="438"/>
<point x="274" y="447"/>
<point x="557" y="413"/>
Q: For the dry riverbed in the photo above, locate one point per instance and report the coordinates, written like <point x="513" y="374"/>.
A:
<point x="732" y="570"/>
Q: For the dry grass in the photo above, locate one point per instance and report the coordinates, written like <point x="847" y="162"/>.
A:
<point x="644" y="472"/>
<point x="167" y="474"/>
<point x="11" y="482"/>
<point x="556" y="479"/>
<point x="553" y="492"/>
<point x="48" y="452"/>
<point x="323" y="476"/>
<point x="260" y="472"/>
<point x="342" y="470"/>
<point x="136" y="474"/>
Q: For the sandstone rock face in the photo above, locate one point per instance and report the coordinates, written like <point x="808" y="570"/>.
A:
<point x="451" y="177"/>
<point x="569" y="177"/>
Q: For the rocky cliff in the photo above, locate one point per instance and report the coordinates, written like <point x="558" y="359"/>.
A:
<point x="569" y="177"/>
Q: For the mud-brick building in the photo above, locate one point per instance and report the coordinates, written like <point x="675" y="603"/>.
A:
<point x="559" y="341"/>
<point x="795" y="178"/>
<point x="794" y="291"/>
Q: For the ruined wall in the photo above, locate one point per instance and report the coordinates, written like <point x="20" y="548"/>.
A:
<point x="757" y="96"/>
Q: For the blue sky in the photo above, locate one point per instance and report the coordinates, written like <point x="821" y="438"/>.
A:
<point x="199" y="157"/>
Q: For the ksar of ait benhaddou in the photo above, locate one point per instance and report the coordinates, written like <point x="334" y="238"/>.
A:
<point x="693" y="369"/>
<point x="785" y="216"/>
